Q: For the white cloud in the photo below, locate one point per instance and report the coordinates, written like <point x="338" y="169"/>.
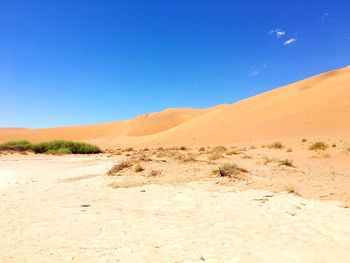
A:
<point x="324" y="16"/>
<point x="289" y="41"/>
<point x="277" y="32"/>
<point x="254" y="73"/>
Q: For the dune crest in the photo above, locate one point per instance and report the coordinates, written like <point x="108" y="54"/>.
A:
<point x="314" y="107"/>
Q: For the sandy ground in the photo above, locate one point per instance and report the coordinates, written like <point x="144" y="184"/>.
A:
<point x="61" y="209"/>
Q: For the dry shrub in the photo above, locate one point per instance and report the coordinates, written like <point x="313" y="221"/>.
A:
<point x="183" y="148"/>
<point x="276" y="145"/>
<point x="215" y="156"/>
<point x="218" y="149"/>
<point x="269" y="160"/>
<point x="304" y="140"/>
<point x="233" y="152"/>
<point x="154" y="173"/>
<point x="119" y="167"/>
<point x="230" y="170"/>
<point x="129" y="149"/>
<point x="201" y="149"/>
<point x="318" y="146"/>
<point x="292" y="189"/>
<point x="185" y="158"/>
<point x="287" y="162"/>
<point x="138" y="168"/>
<point x="289" y="150"/>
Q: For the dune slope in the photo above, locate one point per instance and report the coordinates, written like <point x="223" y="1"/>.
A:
<point x="315" y="107"/>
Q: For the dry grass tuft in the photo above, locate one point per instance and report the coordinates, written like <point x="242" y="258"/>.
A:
<point x="287" y="162"/>
<point x="289" y="150"/>
<point x="230" y="170"/>
<point x="304" y="140"/>
<point x="154" y="173"/>
<point x="218" y="149"/>
<point x="185" y="158"/>
<point x="292" y="189"/>
<point x="318" y="146"/>
<point x="119" y="167"/>
<point x="215" y="156"/>
<point x="276" y="145"/>
<point x="233" y="152"/>
<point x="138" y="168"/>
<point x="201" y="149"/>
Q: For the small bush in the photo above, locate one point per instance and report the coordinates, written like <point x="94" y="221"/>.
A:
<point x="183" y="148"/>
<point x="304" y="140"/>
<point x="292" y="189"/>
<point x="287" y="162"/>
<point x="73" y="147"/>
<point x="119" y="167"/>
<point x="318" y="146"/>
<point x="201" y="149"/>
<point x="215" y="156"/>
<point x="289" y="150"/>
<point x="185" y="158"/>
<point x="60" y="151"/>
<point x="230" y="170"/>
<point x="334" y="145"/>
<point x="154" y="172"/>
<point x="218" y="149"/>
<point x="138" y="168"/>
<point x="276" y="145"/>
<point x="18" y="146"/>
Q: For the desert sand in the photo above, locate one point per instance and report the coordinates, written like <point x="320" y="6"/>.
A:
<point x="66" y="209"/>
<point x="317" y="107"/>
<point x="283" y="201"/>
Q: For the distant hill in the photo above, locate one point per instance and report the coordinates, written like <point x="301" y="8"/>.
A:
<point x="315" y="107"/>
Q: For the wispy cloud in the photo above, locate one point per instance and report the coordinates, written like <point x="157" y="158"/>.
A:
<point x="327" y="18"/>
<point x="289" y="41"/>
<point x="277" y="32"/>
<point x="254" y="73"/>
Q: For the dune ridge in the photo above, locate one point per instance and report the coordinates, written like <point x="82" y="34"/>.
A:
<point x="314" y="107"/>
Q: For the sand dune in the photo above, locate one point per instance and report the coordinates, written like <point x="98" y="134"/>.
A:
<point x="315" y="107"/>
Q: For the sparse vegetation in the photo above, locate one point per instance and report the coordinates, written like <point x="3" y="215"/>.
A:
<point x="215" y="156"/>
<point x="230" y="170"/>
<point x="155" y="173"/>
<point x="52" y="147"/>
<point x="201" y="149"/>
<point x="276" y="145"/>
<point x="218" y="149"/>
<point x="287" y="162"/>
<point x="183" y="148"/>
<point x="119" y="167"/>
<point x="292" y="189"/>
<point x="289" y="150"/>
<point x="318" y="146"/>
<point x="138" y="168"/>
<point x="334" y="145"/>
<point x="185" y="158"/>
<point x="304" y="140"/>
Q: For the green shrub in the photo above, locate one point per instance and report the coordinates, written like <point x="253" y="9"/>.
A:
<point x="52" y="147"/>
<point x="60" y="151"/>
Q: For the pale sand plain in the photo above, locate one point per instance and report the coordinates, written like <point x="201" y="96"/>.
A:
<point x="66" y="209"/>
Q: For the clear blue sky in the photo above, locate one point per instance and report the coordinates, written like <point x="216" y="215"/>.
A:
<point x="70" y="62"/>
